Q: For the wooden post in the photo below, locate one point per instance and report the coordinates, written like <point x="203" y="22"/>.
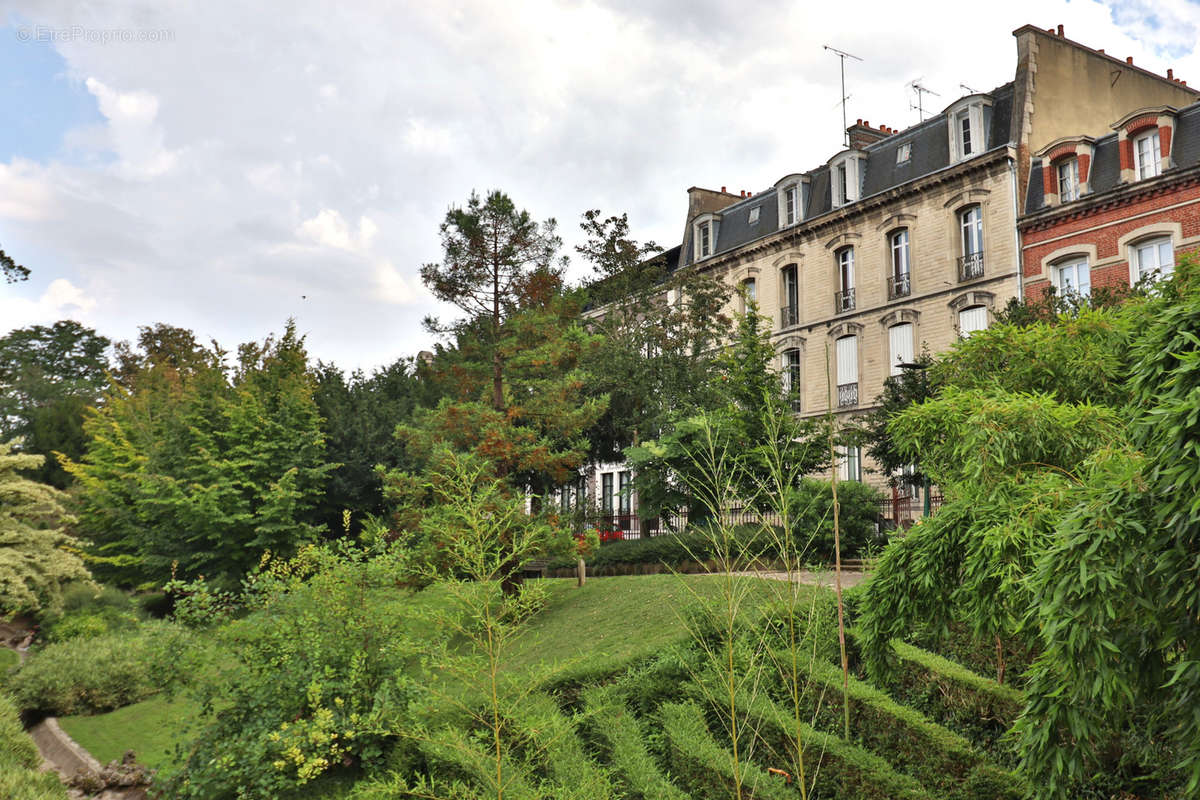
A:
<point x="581" y="571"/>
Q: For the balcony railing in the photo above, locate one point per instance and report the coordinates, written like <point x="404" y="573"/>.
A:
<point x="970" y="266"/>
<point x="899" y="286"/>
<point x="844" y="300"/>
<point x="789" y="316"/>
<point x="847" y="394"/>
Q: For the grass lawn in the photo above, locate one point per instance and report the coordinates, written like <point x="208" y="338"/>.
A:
<point x="148" y="728"/>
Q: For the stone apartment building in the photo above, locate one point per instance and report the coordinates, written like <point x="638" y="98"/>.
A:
<point x="908" y="239"/>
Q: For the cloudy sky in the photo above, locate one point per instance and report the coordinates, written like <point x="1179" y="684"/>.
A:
<point x="223" y="166"/>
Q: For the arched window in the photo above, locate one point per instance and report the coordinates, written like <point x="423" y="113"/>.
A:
<point x="847" y="371"/>
<point x="844" y="300"/>
<point x="1147" y="155"/>
<point x="1152" y="258"/>
<point x="790" y="376"/>
<point x="1072" y="275"/>
<point x="900" y="280"/>
<point x="749" y="293"/>
<point x="789" y="313"/>
<point x="900" y="345"/>
<point x="970" y="228"/>
<point x="972" y="319"/>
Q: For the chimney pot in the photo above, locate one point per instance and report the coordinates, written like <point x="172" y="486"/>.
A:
<point x="1100" y="51"/>
<point x="1060" y="30"/>
<point x="1129" y="60"/>
<point x="1170" y="74"/>
<point x="859" y="121"/>
<point x="722" y="190"/>
<point x="1184" y="83"/>
<point x="867" y="123"/>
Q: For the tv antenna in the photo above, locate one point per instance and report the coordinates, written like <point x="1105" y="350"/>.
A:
<point x="915" y="85"/>
<point x="968" y="88"/>
<point x="842" y="56"/>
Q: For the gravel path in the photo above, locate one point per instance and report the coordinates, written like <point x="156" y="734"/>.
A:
<point x="824" y="578"/>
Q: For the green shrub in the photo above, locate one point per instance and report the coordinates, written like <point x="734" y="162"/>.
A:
<point x="19" y="761"/>
<point x="87" y="612"/>
<point x="84" y="676"/>
<point x="550" y="742"/>
<point x="812" y="532"/>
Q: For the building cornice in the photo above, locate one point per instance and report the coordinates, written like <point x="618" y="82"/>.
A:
<point x="1117" y="197"/>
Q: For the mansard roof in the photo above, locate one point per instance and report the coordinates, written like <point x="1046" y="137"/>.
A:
<point x="930" y="152"/>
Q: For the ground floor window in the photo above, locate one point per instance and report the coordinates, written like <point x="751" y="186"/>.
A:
<point x="1153" y="258"/>
<point x="1073" y="277"/>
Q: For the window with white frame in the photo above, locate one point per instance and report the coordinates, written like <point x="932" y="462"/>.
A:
<point x="754" y="212"/>
<point x="789" y="314"/>
<point x="789" y="197"/>
<point x="900" y="346"/>
<point x="845" y="264"/>
<point x="962" y="123"/>
<point x="966" y="122"/>
<point x="705" y="239"/>
<point x="1073" y="276"/>
<point x="1146" y="155"/>
<point x="970" y="228"/>
<point x="790" y="376"/>
<point x="845" y="180"/>
<point x="750" y="290"/>
<point x="971" y="320"/>
<point x="1068" y="180"/>
<point x="904" y="153"/>
<point x="606" y="492"/>
<point x="849" y="459"/>
<point x="1152" y="258"/>
<point x="791" y="204"/>
<point x="847" y="371"/>
<point x="900" y="282"/>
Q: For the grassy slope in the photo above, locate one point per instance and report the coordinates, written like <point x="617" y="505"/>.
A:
<point x="147" y="728"/>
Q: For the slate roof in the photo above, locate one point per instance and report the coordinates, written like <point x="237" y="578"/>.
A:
<point x="1105" y="172"/>
<point x="930" y="153"/>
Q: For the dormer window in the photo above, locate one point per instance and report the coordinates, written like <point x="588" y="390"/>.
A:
<point x="967" y="121"/>
<point x="1146" y="154"/>
<point x="845" y="179"/>
<point x="754" y="215"/>
<point x="704" y="236"/>
<point x="904" y="153"/>
<point x="791" y="193"/>
<point x="1068" y="180"/>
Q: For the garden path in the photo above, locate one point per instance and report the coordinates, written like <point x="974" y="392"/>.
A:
<point x="824" y="578"/>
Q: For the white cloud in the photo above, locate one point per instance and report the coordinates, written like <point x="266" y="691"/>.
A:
<point x="60" y="300"/>
<point x="328" y="228"/>
<point x="135" y="135"/>
<point x="24" y="193"/>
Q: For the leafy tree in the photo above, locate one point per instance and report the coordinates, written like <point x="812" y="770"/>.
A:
<point x="48" y="376"/>
<point x="360" y="415"/>
<point x="192" y="465"/>
<point x="493" y="256"/>
<point x="12" y="271"/>
<point x="910" y="387"/>
<point x="659" y="333"/>
<point x="37" y="557"/>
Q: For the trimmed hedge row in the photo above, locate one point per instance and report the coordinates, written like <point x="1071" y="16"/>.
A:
<point x="550" y="741"/>
<point x="455" y="757"/>
<point x="937" y="757"/>
<point x="842" y="769"/>
<point x="619" y="734"/>
<point x="977" y="706"/>
<point x="703" y="767"/>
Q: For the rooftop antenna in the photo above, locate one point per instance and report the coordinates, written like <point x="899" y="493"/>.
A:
<point x="967" y="88"/>
<point x="842" y="56"/>
<point x="915" y="85"/>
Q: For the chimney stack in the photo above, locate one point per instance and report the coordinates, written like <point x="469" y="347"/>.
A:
<point x="1060" y="30"/>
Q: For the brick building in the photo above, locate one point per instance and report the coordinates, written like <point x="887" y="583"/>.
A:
<point x="1112" y="210"/>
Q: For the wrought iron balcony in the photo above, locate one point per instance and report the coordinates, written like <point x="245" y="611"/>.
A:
<point x="847" y="394"/>
<point x="844" y="300"/>
<point x="789" y="316"/>
<point x="899" y="286"/>
<point x="970" y="266"/>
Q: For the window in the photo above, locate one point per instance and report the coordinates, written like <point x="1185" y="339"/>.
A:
<point x="1146" y="155"/>
<point x="625" y="495"/>
<point x="1153" y="258"/>
<point x="849" y="463"/>
<point x="845" y="295"/>
<point x="1068" y="180"/>
<point x="790" y="205"/>
<point x="1073" y="277"/>
<point x="847" y="371"/>
<point x="904" y="153"/>
<point x="970" y="225"/>
<point x="900" y="343"/>
<point x="900" y="283"/>
<point x="789" y="315"/>
<point x="754" y="215"/>
<point x="790" y="363"/>
<point x="845" y="180"/>
<point x="963" y="122"/>
<point x="789" y="199"/>
<point x="972" y="319"/>
<point x="606" y="492"/>
<point x="705" y="239"/>
<point x="750" y="290"/>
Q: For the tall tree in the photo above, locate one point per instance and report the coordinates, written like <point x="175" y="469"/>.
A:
<point x="190" y="464"/>
<point x="37" y="557"/>
<point x="48" y="376"/>
<point x="492" y="256"/>
<point x="659" y="333"/>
